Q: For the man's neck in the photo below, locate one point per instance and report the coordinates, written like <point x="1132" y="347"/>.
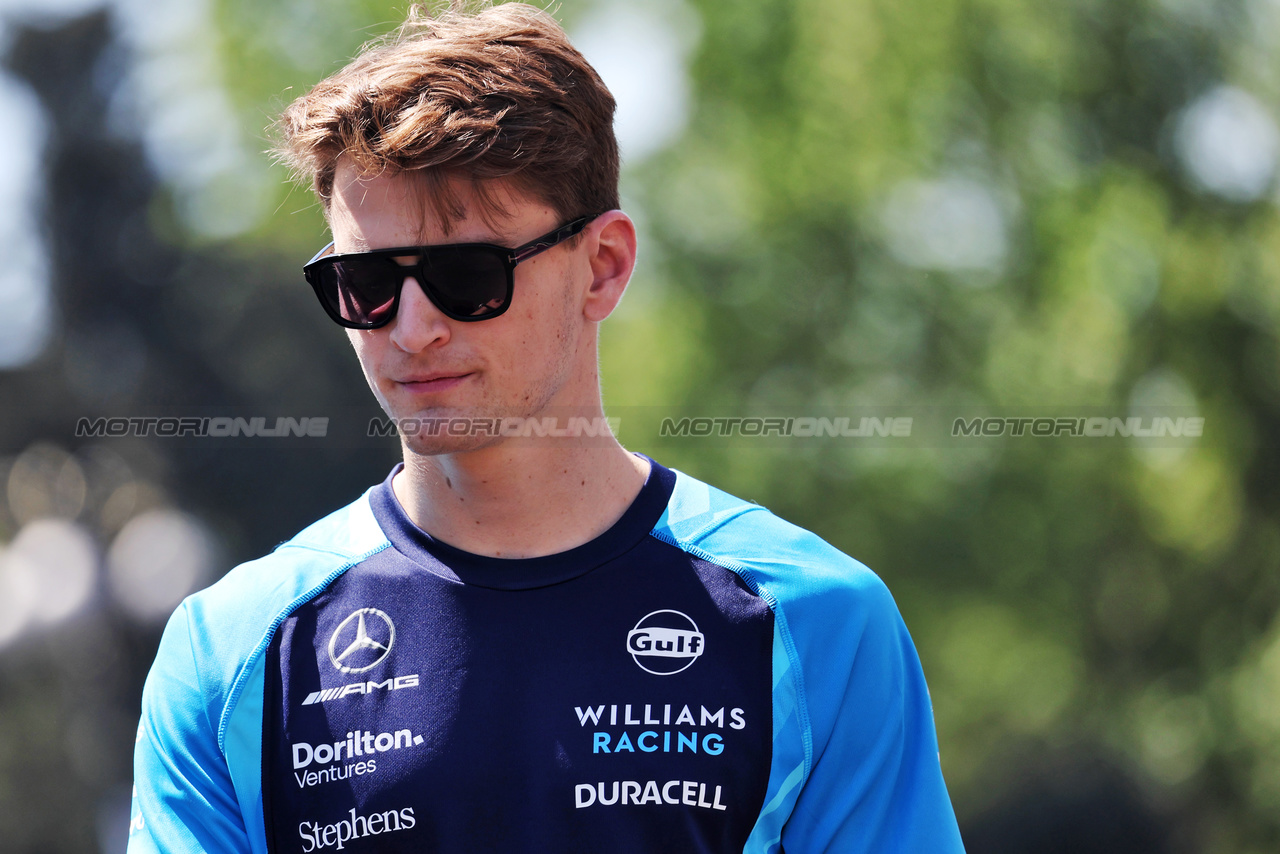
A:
<point x="519" y="499"/>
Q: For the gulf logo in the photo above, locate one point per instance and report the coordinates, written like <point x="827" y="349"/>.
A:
<point x="665" y="642"/>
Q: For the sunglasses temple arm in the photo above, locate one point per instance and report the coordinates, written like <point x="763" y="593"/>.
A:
<point x="542" y="244"/>
<point x="327" y="250"/>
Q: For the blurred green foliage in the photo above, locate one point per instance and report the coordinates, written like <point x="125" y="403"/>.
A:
<point x="1064" y="596"/>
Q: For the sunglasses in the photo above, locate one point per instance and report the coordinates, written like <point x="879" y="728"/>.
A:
<point x="466" y="281"/>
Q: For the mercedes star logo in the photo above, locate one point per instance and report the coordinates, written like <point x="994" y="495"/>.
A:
<point x="361" y="641"/>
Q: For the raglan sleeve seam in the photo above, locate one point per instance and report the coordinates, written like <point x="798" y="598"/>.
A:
<point x="796" y="675"/>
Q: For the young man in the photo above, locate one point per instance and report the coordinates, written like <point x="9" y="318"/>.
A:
<point x="534" y="645"/>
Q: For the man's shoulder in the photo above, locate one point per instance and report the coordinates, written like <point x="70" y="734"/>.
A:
<point x="240" y="608"/>
<point x="215" y="643"/>
<point x="836" y="618"/>
<point x="783" y="560"/>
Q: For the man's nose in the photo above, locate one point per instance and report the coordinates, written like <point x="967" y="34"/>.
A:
<point x="419" y="323"/>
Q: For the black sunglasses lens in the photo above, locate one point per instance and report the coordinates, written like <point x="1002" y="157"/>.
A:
<point x="467" y="282"/>
<point x="362" y="290"/>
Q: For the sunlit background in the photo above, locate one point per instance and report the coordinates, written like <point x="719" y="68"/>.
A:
<point x="957" y="206"/>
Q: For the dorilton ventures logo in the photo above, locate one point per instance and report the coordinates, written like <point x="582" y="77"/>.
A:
<point x="665" y="642"/>
<point x="362" y="641"/>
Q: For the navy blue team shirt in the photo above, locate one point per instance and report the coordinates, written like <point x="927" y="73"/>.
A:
<point x="703" y="677"/>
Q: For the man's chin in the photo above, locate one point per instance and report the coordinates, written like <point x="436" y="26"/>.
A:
<point x="452" y="431"/>
<point x="426" y="445"/>
<point x="447" y="431"/>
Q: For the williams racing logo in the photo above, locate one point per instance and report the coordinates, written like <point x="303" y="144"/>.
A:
<point x="665" y="642"/>
<point x="362" y="641"/>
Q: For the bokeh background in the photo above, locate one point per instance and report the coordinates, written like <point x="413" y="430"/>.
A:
<point x="946" y="207"/>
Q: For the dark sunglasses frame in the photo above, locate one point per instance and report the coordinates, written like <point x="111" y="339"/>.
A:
<point x="315" y="269"/>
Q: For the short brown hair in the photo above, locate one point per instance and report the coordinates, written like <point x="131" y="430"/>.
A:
<point x="497" y="93"/>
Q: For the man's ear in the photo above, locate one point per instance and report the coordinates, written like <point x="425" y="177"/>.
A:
<point x="611" y="245"/>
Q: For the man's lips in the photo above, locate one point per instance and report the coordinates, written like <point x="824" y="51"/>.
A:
<point x="441" y="381"/>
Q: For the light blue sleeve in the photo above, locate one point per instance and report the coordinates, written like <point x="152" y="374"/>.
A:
<point x="198" y="757"/>
<point x="875" y="784"/>
<point x="855" y="765"/>
<point x="184" y="799"/>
